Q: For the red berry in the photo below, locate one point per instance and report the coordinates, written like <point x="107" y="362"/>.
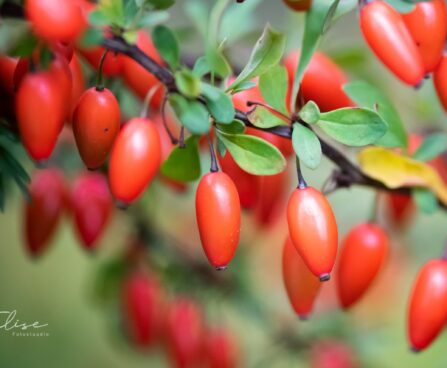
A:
<point x="364" y="250"/>
<point x="185" y="333"/>
<point x="332" y="354"/>
<point x="298" y="5"/>
<point x="113" y="63"/>
<point x="7" y="68"/>
<point x="96" y="123"/>
<point x="427" y="23"/>
<point x="221" y="350"/>
<point x="313" y="230"/>
<point x="40" y="111"/>
<point x="142" y="309"/>
<point x="92" y="207"/>
<point x="61" y="72"/>
<point x="386" y="33"/>
<point x="139" y="80"/>
<point x="246" y="184"/>
<point x="43" y="212"/>
<point x="78" y="86"/>
<point x="301" y="284"/>
<point x="55" y="20"/>
<point x="428" y="305"/>
<point x="400" y="207"/>
<point x="440" y="81"/>
<point x="218" y="214"/>
<point x="322" y="82"/>
<point x="135" y="159"/>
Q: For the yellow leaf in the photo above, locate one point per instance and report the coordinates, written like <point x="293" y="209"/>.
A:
<point x="396" y="171"/>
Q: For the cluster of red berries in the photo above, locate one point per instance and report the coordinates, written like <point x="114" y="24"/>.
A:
<point x="411" y="45"/>
<point x="150" y="318"/>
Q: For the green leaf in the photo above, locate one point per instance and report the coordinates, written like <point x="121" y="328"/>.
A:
<point x="113" y="10"/>
<point x="401" y="6"/>
<point x="431" y="147"/>
<point x="266" y="54"/>
<point x="131" y="36"/>
<point x="253" y="155"/>
<point x="183" y="164"/>
<point x="192" y="114"/>
<point x="243" y="87"/>
<point x="166" y="43"/>
<point x="353" y="126"/>
<point x="425" y="200"/>
<point x="217" y="62"/>
<point x="219" y="104"/>
<point x="306" y="146"/>
<point x="220" y="148"/>
<point x="235" y="127"/>
<point x="26" y="46"/>
<point x="152" y="18"/>
<point x="201" y="67"/>
<point x="187" y="83"/>
<point x="310" y="113"/>
<point x="273" y="85"/>
<point x="316" y="19"/>
<point x="161" y="4"/>
<point x="198" y="13"/>
<point x="262" y="117"/>
<point x="366" y="95"/>
<point x="91" y="37"/>
<point x="97" y="18"/>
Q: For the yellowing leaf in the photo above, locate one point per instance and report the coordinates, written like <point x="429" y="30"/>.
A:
<point x="396" y="171"/>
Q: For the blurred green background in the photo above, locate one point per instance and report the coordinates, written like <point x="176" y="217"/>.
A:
<point x="84" y="331"/>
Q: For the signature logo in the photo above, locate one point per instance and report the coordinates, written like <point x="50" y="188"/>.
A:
<point x="10" y="323"/>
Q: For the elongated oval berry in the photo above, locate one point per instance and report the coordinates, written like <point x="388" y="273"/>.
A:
<point x="220" y="349"/>
<point x="322" y="82"/>
<point x="92" y="207"/>
<point x="313" y="230"/>
<point x="43" y="212"/>
<point x="40" y="112"/>
<point x="301" y="284"/>
<point x="78" y="85"/>
<point x="96" y="123"/>
<point x="139" y="80"/>
<point x="142" y="309"/>
<point x="60" y="70"/>
<point x="55" y="20"/>
<point x="427" y="23"/>
<point x="427" y="313"/>
<point x="218" y="213"/>
<point x="298" y="5"/>
<point x="185" y="333"/>
<point x="440" y="81"/>
<point x="364" y="250"/>
<point x="113" y="63"/>
<point x="135" y="159"/>
<point x="400" y="208"/>
<point x="246" y="184"/>
<point x="387" y="35"/>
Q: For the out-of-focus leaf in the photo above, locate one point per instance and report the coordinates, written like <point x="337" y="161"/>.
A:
<point x="91" y="37"/>
<point x="310" y="113"/>
<point x="425" y="200"/>
<point x="26" y="46"/>
<point x="243" y="86"/>
<point x="198" y="12"/>
<point x="201" y="67"/>
<point x="396" y="171"/>
<point x="219" y="104"/>
<point x="273" y="85"/>
<point x="192" y="114"/>
<point x="160" y="4"/>
<point x="432" y="146"/>
<point x="166" y="43"/>
<point x="306" y="146"/>
<point x="217" y="62"/>
<point x="187" y="83"/>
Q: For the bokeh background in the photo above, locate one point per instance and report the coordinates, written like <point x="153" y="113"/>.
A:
<point x="65" y="287"/>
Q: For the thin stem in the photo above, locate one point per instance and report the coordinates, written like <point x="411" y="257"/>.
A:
<point x="99" y="77"/>
<point x="301" y="182"/>
<point x="214" y="166"/>
<point x="147" y="99"/>
<point x="165" y="124"/>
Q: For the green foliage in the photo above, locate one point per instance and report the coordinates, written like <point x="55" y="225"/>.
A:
<point x="425" y="200"/>
<point x="262" y="117"/>
<point x="25" y="46"/>
<point x="265" y="55"/>
<point x="183" y="164"/>
<point x="317" y="18"/>
<point x="187" y="83"/>
<point x="310" y="113"/>
<point x="306" y="145"/>
<point x="273" y="85"/>
<point x="366" y="95"/>
<point x="166" y="43"/>
<point x="217" y="62"/>
<point x="254" y="155"/>
<point x="353" y="126"/>
<point x="431" y="147"/>
<point x="219" y="104"/>
<point x="91" y="37"/>
<point x="158" y="4"/>
<point x="192" y="114"/>
<point x="235" y="127"/>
